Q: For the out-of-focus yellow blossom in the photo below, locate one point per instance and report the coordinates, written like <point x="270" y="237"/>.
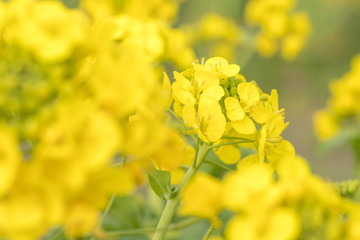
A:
<point x="55" y="30"/>
<point x="325" y="126"/>
<point x="343" y="105"/>
<point x="164" y="10"/>
<point x="281" y="224"/>
<point x="255" y="182"/>
<point x="131" y="63"/>
<point x="173" y="152"/>
<point x="280" y="27"/>
<point x="77" y="146"/>
<point x="221" y="35"/>
<point x="202" y="197"/>
<point x="177" y="47"/>
<point x="10" y="160"/>
<point x="265" y="45"/>
<point x="149" y="28"/>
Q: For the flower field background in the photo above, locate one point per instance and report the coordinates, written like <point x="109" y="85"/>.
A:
<point x="172" y="119"/>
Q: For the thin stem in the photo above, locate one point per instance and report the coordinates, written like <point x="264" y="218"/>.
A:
<point x="231" y="143"/>
<point x="208" y="233"/>
<point x="172" y="227"/>
<point x="197" y="150"/>
<point x="237" y="138"/>
<point x="172" y="203"/>
<point x="110" y="203"/>
<point x="219" y="165"/>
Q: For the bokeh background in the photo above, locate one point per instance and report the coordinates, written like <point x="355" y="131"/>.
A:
<point x="302" y="84"/>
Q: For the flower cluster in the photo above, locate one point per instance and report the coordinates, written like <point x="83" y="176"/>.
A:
<point x="281" y="27"/>
<point x="221" y="36"/>
<point x="219" y="105"/>
<point x="344" y="105"/>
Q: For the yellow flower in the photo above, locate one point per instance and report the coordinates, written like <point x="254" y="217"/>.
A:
<point x="325" y="125"/>
<point x="208" y="122"/>
<point x="220" y="66"/>
<point x="265" y="45"/>
<point x="203" y="84"/>
<point x="56" y="31"/>
<point x="248" y="93"/>
<point x="239" y="121"/>
<point x="173" y="152"/>
<point x="269" y="134"/>
<point x="248" y="188"/>
<point x="280" y="224"/>
<point x="280" y="27"/>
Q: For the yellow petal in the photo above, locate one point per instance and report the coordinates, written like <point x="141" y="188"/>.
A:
<point x="212" y="120"/>
<point x="282" y="151"/>
<point x="211" y="62"/>
<point x="275" y="125"/>
<point x="205" y="79"/>
<point x="274" y="100"/>
<point x="233" y="109"/>
<point x="244" y="126"/>
<point x="215" y="92"/>
<point x="259" y="113"/>
<point x="231" y="70"/>
<point x="183" y="81"/>
<point x="215" y="128"/>
<point x="189" y="116"/>
<point x="249" y="93"/>
<point x="181" y="94"/>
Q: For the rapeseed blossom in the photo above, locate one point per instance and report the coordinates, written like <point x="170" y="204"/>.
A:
<point x="280" y="27"/>
<point x="91" y="116"/>
<point x="343" y="106"/>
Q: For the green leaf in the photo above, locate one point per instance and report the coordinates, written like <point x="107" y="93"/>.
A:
<point x="160" y="183"/>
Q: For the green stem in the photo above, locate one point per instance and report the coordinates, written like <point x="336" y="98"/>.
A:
<point x="235" y="138"/>
<point x="208" y="233"/>
<point x="140" y="231"/>
<point x="219" y="165"/>
<point x="173" y="203"/>
<point x="231" y="143"/>
<point x="356" y="149"/>
<point x="110" y="203"/>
